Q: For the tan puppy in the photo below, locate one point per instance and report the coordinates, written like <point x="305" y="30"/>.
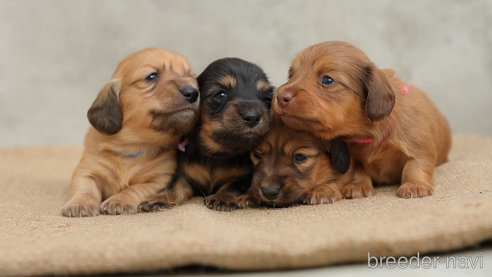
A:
<point x="395" y="133"/>
<point x="293" y="167"/>
<point x="137" y="121"/>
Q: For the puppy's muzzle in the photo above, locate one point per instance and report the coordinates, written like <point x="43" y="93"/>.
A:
<point x="270" y="192"/>
<point x="284" y="98"/>
<point x="190" y="93"/>
<point x="251" y="118"/>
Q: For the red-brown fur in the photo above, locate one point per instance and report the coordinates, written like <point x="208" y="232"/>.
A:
<point x="313" y="180"/>
<point x="410" y="136"/>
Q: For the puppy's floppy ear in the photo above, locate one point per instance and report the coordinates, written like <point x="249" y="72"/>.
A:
<point x="105" y="113"/>
<point x="340" y="156"/>
<point x="380" y="95"/>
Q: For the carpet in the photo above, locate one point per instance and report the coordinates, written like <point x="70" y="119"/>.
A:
<point x="36" y="239"/>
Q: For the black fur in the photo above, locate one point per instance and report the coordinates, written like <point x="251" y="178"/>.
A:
<point x="340" y="156"/>
<point x="244" y="96"/>
<point x="234" y="136"/>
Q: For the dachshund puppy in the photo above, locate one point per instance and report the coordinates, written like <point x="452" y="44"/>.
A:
<point x="394" y="131"/>
<point x="292" y="167"/>
<point x="234" y="117"/>
<point x="137" y="121"/>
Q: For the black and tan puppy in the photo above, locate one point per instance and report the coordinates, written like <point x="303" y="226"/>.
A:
<point x="234" y="117"/>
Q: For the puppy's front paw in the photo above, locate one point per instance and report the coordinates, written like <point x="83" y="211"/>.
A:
<point x="221" y="202"/>
<point x="411" y="190"/>
<point x="115" y="206"/>
<point x="357" y="190"/>
<point x="153" y="205"/>
<point x="80" y="208"/>
<point x="246" y="200"/>
<point x="322" y="195"/>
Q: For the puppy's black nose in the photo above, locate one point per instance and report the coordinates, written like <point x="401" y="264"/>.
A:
<point x="270" y="193"/>
<point x="251" y="118"/>
<point x="190" y="93"/>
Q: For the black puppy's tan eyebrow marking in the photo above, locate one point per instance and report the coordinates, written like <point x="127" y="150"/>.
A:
<point x="228" y="81"/>
<point x="262" y="85"/>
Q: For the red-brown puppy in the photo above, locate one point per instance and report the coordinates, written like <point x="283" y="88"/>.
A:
<point x="137" y="121"/>
<point x="292" y="167"/>
<point x="395" y="133"/>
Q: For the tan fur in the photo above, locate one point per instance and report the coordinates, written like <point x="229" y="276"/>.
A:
<point x="199" y="174"/>
<point x="262" y="85"/>
<point x="209" y="125"/>
<point x="313" y="181"/>
<point x="228" y="81"/>
<point x="154" y="117"/>
<point x="224" y="175"/>
<point x="410" y="136"/>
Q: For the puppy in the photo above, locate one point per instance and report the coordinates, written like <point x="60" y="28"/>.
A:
<point x="137" y="121"/>
<point x="394" y="131"/>
<point x="234" y="117"/>
<point x="292" y="167"/>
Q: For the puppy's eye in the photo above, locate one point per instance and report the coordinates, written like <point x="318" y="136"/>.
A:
<point x="268" y="100"/>
<point x="299" y="158"/>
<point x="151" y="77"/>
<point x="257" y="155"/>
<point x="220" y="95"/>
<point x="327" y="80"/>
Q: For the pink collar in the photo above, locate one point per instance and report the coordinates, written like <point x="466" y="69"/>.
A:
<point x="364" y="140"/>
<point x="391" y="122"/>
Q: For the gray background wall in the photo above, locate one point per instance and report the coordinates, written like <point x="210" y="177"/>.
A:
<point x="55" y="55"/>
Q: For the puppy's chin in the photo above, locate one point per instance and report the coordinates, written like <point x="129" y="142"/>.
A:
<point x="178" y="122"/>
<point x="236" y="137"/>
<point x="238" y="142"/>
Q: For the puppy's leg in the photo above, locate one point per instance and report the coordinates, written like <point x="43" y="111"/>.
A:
<point x="361" y="185"/>
<point x="416" y="179"/>
<point x="176" y="195"/>
<point x="127" y="200"/>
<point x="85" y="197"/>
<point x="226" y="198"/>
<point x="323" y="194"/>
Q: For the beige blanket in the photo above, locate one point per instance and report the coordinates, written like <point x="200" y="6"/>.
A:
<point x="36" y="239"/>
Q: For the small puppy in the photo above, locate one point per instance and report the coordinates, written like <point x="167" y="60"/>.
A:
<point x="137" y="121"/>
<point x="394" y="131"/>
<point x="234" y="117"/>
<point x="292" y="167"/>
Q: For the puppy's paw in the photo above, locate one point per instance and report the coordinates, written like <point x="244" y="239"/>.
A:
<point x="115" y="206"/>
<point x="411" y="190"/>
<point x="322" y="195"/>
<point x="153" y="205"/>
<point x="221" y="202"/>
<point x="357" y="190"/>
<point x="80" y="208"/>
<point x="245" y="200"/>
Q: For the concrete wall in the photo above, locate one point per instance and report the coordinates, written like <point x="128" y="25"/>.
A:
<point x="55" y="55"/>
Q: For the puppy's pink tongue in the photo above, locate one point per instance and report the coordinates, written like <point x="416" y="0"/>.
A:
<point x="182" y="145"/>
